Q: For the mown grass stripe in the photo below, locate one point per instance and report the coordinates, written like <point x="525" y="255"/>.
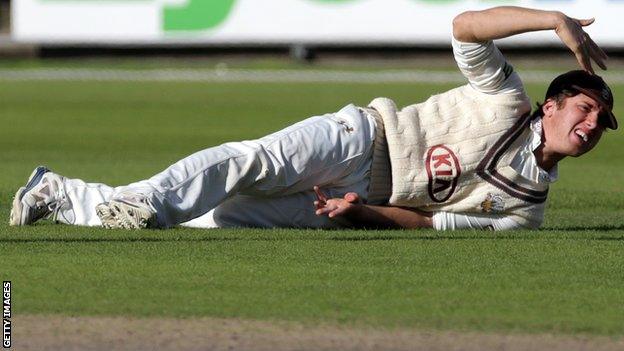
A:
<point x="264" y="75"/>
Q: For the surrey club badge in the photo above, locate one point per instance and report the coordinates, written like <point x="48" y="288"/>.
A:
<point x="493" y="204"/>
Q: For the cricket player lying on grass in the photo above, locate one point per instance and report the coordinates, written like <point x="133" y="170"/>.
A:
<point x="472" y="157"/>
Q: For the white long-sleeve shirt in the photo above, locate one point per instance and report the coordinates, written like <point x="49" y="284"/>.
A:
<point x="487" y="71"/>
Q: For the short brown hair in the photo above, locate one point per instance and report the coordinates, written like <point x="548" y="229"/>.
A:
<point x="560" y="99"/>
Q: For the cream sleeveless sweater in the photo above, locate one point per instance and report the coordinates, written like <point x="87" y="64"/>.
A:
<point x="453" y="153"/>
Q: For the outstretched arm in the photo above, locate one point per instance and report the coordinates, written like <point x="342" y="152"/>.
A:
<point x="367" y="216"/>
<point x="505" y="21"/>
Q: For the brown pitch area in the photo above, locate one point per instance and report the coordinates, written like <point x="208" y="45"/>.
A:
<point x="34" y="332"/>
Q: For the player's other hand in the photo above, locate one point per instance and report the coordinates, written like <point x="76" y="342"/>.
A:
<point x="337" y="206"/>
<point x="570" y="31"/>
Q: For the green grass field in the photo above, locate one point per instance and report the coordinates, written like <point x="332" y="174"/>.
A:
<point x="567" y="278"/>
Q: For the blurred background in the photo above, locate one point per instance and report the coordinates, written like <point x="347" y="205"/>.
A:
<point x="303" y="30"/>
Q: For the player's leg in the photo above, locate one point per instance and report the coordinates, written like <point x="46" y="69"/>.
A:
<point x="290" y="211"/>
<point x="320" y="150"/>
<point x="50" y="195"/>
<point x="286" y="211"/>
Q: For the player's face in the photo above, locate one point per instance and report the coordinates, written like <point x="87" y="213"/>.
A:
<point x="572" y="129"/>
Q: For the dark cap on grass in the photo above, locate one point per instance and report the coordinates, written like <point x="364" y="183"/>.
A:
<point x="590" y="85"/>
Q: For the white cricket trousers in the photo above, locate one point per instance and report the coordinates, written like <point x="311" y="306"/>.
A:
<point x="256" y="183"/>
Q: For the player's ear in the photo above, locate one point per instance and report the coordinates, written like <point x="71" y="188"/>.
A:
<point x="549" y="106"/>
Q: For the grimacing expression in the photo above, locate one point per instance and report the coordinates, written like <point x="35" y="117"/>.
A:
<point x="573" y="127"/>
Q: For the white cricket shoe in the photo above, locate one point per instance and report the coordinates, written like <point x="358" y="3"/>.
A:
<point x="127" y="212"/>
<point x="41" y="197"/>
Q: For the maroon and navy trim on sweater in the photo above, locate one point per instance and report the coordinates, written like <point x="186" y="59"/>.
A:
<point x="487" y="167"/>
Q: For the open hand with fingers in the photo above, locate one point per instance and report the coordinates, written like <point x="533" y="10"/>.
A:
<point x="335" y="207"/>
<point x="570" y="31"/>
<point x="505" y="21"/>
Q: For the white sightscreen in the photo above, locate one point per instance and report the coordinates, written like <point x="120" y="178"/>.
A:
<point x="278" y="21"/>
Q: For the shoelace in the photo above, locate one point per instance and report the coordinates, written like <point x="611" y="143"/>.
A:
<point x="54" y="208"/>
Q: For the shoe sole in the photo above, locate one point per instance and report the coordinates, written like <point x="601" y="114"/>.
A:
<point x="121" y="215"/>
<point x="17" y="209"/>
<point x="107" y="217"/>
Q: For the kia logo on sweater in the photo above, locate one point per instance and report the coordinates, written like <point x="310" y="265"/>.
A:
<point x="443" y="170"/>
